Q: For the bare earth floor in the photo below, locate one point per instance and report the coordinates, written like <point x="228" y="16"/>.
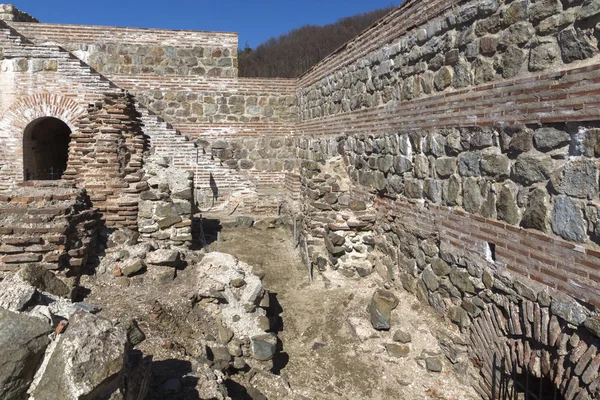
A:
<point x="330" y="350"/>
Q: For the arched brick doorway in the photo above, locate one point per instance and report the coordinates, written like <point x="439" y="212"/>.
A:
<point x="45" y="149"/>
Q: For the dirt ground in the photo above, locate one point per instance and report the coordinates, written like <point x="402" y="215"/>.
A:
<point x="329" y="349"/>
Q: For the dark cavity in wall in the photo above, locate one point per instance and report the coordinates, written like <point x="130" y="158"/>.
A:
<point x="45" y="149"/>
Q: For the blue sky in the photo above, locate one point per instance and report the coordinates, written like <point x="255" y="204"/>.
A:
<point x="255" y="21"/>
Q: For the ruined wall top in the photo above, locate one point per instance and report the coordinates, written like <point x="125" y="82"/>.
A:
<point x="8" y="12"/>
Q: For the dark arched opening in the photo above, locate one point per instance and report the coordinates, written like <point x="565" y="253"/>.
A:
<point x="45" y="149"/>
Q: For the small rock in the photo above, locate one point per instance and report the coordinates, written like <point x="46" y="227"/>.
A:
<point x="237" y="283"/>
<point x="133" y="268"/>
<point x="225" y="335"/>
<point x="397" y="350"/>
<point x="88" y="308"/>
<point x="264" y="346"/>
<point x="433" y="364"/>
<point x="134" y="333"/>
<point x="244" y="222"/>
<point x="263" y="323"/>
<point x="592" y="324"/>
<point x="164" y="257"/>
<point x="402" y="337"/>
<point x="382" y="304"/>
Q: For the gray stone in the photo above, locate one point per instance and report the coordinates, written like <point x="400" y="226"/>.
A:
<point x="397" y="350"/>
<point x="133" y="268"/>
<point x="445" y="167"/>
<point x="592" y="324"/>
<point x="414" y="188"/>
<point x="568" y="309"/>
<point x="468" y="164"/>
<point x="488" y="207"/>
<point x="462" y="280"/>
<point x="577" y="178"/>
<point x="433" y="364"/>
<point x="225" y="335"/>
<point x="421" y="166"/>
<point x="459" y="316"/>
<point x="244" y="222"/>
<point x="507" y="207"/>
<point x="542" y="9"/>
<point x="567" y="221"/>
<point x="523" y="290"/>
<point x="16" y="294"/>
<point x="430" y="279"/>
<point x="165" y="257"/>
<point x="472" y="199"/>
<point x="433" y="189"/>
<point x="575" y="45"/>
<point x="443" y="78"/>
<point x="23" y="341"/>
<point x="135" y="335"/>
<point x="521" y="141"/>
<point x="516" y="12"/>
<point x="512" y="61"/>
<point x="357" y="205"/>
<point x="264" y="346"/>
<point x="518" y="34"/>
<point x="547" y="139"/>
<point x="452" y="191"/>
<point x="401" y="336"/>
<point x="44" y="280"/>
<point x="537" y="213"/>
<point x="531" y="168"/>
<point x="462" y="74"/>
<point x="168" y="221"/>
<point x="495" y="165"/>
<point x="402" y="164"/>
<point x="483" y="71"/>
<point x="589" y="8"/>
<point x="380" y="309"/>
<point x="87" y="361"/>
<point x="440" y="267"/>
<point x="544" y="53"/>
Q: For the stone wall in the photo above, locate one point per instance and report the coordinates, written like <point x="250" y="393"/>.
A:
<point x="8" y="12"/>
<point x="386" y="204"/>
<point x="249" y="121"/>
<point x="105" y="152"/>
<point x="131" y="51"/>
<point x="466" y="45"/>
<point x="451" y="149"/>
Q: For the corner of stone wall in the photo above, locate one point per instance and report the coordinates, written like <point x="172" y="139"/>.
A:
<point x="166" y="206"/>
<point x="8" y="12"/>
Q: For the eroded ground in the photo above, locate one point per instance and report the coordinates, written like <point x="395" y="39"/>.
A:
<point x="329" y="349"/>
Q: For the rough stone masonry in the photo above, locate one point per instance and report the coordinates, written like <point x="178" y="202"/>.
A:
<point x="452" y="148"/>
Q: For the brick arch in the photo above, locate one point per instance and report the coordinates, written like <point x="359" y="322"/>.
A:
<point x="22" y="113"/>
<point x="527" y="338"/>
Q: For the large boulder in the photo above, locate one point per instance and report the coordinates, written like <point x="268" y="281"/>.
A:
<point x="23" y="341"/>
<point x="44" y="280"/>
<point x="87" y="362"/>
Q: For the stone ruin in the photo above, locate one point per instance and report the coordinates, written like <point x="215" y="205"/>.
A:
<point x="452" y="149"/>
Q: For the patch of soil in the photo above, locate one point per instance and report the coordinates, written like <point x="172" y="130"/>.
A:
<point x="328" y="348"/>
